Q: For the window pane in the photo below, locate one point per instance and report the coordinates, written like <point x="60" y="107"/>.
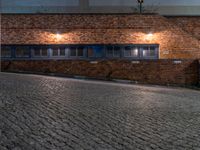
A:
<point x="99" y="51"/>
<point x="44" y="52"/>
<point x="55" y="51"/>
<point x="145" y="51"/>
<point x="36" y="52"/>
<point x="22" y="51"/>
<point x="149" y="51"/>
<point x="80" y="51"/>
<point x="134" y="52"/>
<point x="90" y="52"/>
<point x="116" y="51"/>
<point x="62" y="52"/>
<point x="152" y="51"/>
<point x="5" y="51"/>
<point x="109" y="51"/>
<point x="67" y="51"/>
<point x="127" y="51"/>
<point x="73" y="51"/>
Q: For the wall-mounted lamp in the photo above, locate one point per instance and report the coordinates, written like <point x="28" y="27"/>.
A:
<point x="58" y="36"/>
<point x="150" y="34"/>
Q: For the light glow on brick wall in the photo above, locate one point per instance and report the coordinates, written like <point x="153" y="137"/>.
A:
<point x="149" y="36"/>
<point x="58" y="36"/>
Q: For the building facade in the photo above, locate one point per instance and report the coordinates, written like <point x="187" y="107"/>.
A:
<point x="143" y="48"/>
<point x="96" y="36"/>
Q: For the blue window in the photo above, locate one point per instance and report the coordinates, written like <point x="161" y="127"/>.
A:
<point x="58" y="51"/>
<point x="113" y="51"/>
<point x="149" y="52"/>
<point x="6" y="51"/>
<point x="22" y="51"/>
<point x="80" y="51"/>
<point x="55" y="52"/>
<point x="73" y="51"/>
<point x="131" y="51"/>
<point x="116" y="51"/>
<point x="95" y="51"/>
<point x="62" y="51"/>
<point x="77" y="51"/>
<point x="39" y="52"/>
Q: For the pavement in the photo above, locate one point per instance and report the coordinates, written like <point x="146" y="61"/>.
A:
<point x="52" y="113"/>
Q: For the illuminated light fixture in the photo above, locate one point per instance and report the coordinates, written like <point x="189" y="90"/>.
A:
<point x="58" y="36"/>
<point x="150" y="34"/>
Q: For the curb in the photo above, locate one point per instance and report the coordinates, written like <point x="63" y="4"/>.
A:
<point x="197" y="87"/>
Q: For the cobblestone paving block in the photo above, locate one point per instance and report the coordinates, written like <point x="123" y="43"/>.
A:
<point x="42" y="113"/>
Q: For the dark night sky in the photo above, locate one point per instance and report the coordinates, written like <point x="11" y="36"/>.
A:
<point x="166" y="7"/>
<point x="98" y="2"/>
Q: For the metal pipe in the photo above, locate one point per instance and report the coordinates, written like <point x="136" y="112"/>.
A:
<point x="140" y="2"/>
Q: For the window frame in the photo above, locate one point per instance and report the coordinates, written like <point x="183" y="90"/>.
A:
<point x="100" y="51"/>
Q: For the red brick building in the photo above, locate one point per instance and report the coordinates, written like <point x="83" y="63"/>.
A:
<point x="157" y="36"/>
<point x="101" y="37"/>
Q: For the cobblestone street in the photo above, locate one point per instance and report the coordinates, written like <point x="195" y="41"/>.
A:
<point x="42" y="113"/>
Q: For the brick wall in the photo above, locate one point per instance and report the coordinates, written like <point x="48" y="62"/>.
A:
<point x="199" y="72"/>
<point x="189" y="24"/>
<point x="151" y="72"/>
<point x="101" y="29"/>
